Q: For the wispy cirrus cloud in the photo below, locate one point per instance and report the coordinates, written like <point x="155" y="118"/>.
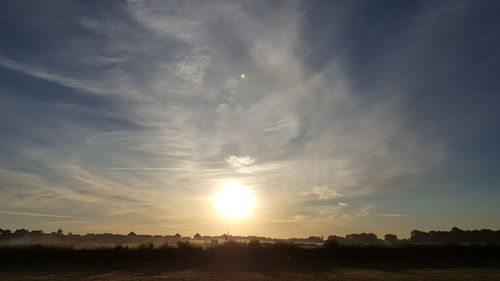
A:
<point x="392" y="215"/>
<point x="36" y="215"/>
<point x="147" y="114"/>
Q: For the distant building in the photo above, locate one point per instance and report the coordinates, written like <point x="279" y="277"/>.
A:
<point x="197" y="236"/>
<point x="315" y="239"/>
<point x="36" y="233"/>
<point x="132" y="234"/>
<point x="20" y="231"/>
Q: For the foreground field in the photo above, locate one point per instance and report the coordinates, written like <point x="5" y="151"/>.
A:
<point x="237" y="261"/>
<point x="343" y="274"/>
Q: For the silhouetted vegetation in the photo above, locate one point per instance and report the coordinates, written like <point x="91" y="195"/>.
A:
<point x="435" y="247"/>
<point x="455" y="235"/>
<point x="262" y="255"/>
<point x="89" y="240"/>
<point x="93" y="240"/>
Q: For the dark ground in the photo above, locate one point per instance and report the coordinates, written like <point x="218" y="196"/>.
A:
<point x="235" y="261"/>
<point x="149" y="273"/>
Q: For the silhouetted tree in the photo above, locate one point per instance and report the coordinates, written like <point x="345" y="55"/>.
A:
<point x="183" y="244"/>
<point x="391" y="238"/>
<point x="331" y="243"/>
<point x="363" y="238"/>
<point x="146" y="246"/>
<point x="254" y="243"/>
<point x="417" y="236"/>
<point x="336" y="238"/>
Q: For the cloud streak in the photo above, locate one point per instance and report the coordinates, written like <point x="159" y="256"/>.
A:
<point x="37" y="215"/>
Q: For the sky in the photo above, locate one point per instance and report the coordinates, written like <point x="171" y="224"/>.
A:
<point x="351" y="116"/>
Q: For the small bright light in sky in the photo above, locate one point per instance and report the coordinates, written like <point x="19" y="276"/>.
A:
<point x="243" y="76"/>
<point x="234" y="200"/>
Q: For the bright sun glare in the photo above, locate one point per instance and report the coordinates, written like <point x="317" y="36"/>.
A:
<point x="234" y="200"/>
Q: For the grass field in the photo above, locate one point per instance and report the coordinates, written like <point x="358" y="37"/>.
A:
<point x="234" y="261"/>
<point x="343" y="274"/>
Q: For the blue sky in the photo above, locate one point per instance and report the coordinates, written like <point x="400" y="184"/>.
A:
<point x="353" y="116"/>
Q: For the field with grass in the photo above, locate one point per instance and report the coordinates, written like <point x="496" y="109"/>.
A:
<point x="254" y="261"/>
<point x="344" y="274"/>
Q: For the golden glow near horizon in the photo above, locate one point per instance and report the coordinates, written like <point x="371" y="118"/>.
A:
<point x="243" y="76"/>
<point x="234" y="200"/>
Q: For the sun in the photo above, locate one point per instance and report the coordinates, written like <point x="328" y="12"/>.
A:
<point x="234" y="200"/>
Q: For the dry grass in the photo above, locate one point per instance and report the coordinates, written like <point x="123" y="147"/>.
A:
<point x="340" y="274"/>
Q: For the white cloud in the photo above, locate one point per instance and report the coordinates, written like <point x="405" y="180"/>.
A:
<point x="325" y="193"/>
<point x="239" y="162"/>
